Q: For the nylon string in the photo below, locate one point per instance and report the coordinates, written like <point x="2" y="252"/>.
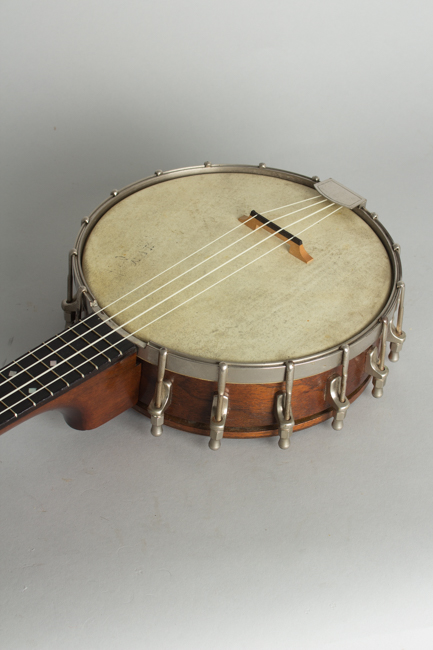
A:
<point x="167" y="283"/>
<point x="168" y="312"/>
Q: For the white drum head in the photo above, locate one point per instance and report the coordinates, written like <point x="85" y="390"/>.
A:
<point x="276" y="308"/>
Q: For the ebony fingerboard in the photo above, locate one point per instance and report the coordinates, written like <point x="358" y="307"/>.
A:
<point x="58" y="365"/>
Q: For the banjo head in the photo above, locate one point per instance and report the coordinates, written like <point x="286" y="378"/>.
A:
<point x="236" y="336"/>
<point x="277" y="307"/>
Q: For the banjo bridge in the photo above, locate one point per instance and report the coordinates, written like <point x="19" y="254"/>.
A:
<point x="296" y="247"/>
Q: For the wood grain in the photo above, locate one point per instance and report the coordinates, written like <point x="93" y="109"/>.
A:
<point x="95" y="400"/>
<point x="297" y="250"/>
<point x="251" y="406"/>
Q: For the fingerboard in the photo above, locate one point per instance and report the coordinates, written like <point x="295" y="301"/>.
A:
<point x="58" y="365"/>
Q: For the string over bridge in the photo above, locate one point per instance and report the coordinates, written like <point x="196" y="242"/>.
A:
<point x="296" y="247"/>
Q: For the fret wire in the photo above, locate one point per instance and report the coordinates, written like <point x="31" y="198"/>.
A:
<point x="83" y="363"/>
<point x="52" y="369"/>
<point x="14" y="403"/>
<point x="91" y="316"/>
<point x="89" y="354"/>
<point x="8" y="408"/>
<point x="79" y="352"/>
<point x="95" y="348"/>
<point x="35" y="379"/>
<point x="66" y="361"/>
<point x="103" y="335"/>
<point x="16" y="381"/>
<point x="92" y="344"/>
<point x="69" y="352"/>
<point x="224" y="278"/>
<point x="17" y="388"/>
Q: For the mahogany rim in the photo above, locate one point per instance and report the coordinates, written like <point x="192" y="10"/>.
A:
<point x="266" y="432"/>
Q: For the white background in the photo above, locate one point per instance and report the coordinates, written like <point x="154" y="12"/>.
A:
<point x="112" y="539"/>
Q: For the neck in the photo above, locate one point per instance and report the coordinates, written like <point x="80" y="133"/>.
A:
<point x="50" y="375"/>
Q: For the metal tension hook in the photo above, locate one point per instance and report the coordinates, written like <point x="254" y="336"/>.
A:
<point x="161" y="398"/>
<point x="74" y="304"/>
<point x="219" y="409"/>
<point x="283" y="408"/>
<point x="337" y="392"/>
<point x="375" y="365"/>
<point x="396" y="336"/>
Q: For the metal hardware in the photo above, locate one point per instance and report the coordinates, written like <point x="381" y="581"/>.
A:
<point x="375" y="365"/>
<point x="396" y="336"/>
<point x="114" y="192"/>
<point x="337" y="391"/>
<point x="219" y="410"/>
<point x="250" y="373"/>
<point x="73" y="305"/>
<point x="85" y="220"/>
<point x="158" y="172"/>
<point x="397" y="248"/>
<point x="374" y="216"/>
<point x="161" y="398"/>
<point x="283" y="408"/>
<point x="70" y="281"/>
<point x="262" y="165"/>
<point x="316" y="179"/>
<point x="262" y="373"/>
<point x="73" y="308"/>
<point x="208" y="164"/>
<point x="338" y="193"/>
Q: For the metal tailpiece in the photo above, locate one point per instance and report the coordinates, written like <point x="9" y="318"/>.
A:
<point x="396" y="336"/>
<point x="338" y="193"/>
<point x="337" y="391"/>
<point x="161" y="398"/>
<point x="283" y="408"/>
<point x="375" y="365"/>
<point x="219" y="409"/>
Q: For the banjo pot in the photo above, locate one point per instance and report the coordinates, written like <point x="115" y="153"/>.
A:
<point x="232" y="341"/>
<point x="225" y="300"/>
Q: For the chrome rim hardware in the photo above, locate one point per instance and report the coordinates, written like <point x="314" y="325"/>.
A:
<point x="219" y="410"/>
<point x="337" y="392"/>
<point x="161" y="399"/>
<point x="283" y="408"/>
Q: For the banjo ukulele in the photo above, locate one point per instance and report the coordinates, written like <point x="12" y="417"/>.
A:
<point x="226" y="300"/>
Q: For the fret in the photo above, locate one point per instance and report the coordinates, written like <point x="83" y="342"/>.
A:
<point x="94" y="329"/>
<point x="96" y="345"/>
<point x="66" y="370"/>
<point x="7" y="415"/>
<point x="14" y="380"/>
<point x="48" y="379"/>
<point x="93" y="356"/>
<point x="77" y="361"/>
<point x="50" y="371"/>
<point x="114" y="338"/>
<point x="12" y="387"/>
<point x="51" y="360"/>
<point x="93" y="339"/>
<point x="11" y="412"/>
<point x="9" y="403"/>
<point x="61" y="362"/>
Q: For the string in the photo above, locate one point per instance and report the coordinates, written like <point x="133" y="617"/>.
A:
<point x="182" y="274"/>
<point x="169" y="297"/>
<point x="230" y="274"/>
<point x="155" y="277"/>
<point x="165" y="314"/>
<point x="251" y="232"/>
